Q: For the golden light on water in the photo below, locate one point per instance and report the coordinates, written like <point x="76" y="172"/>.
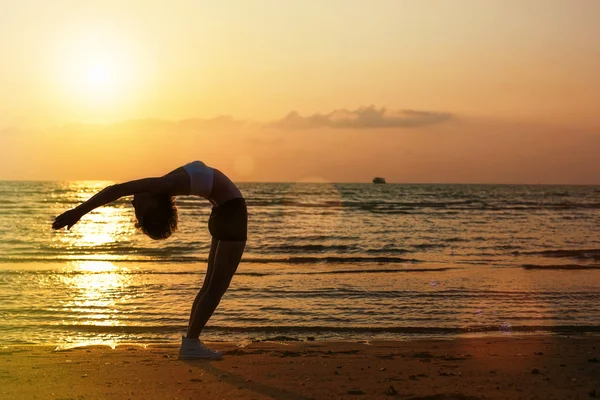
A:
<point x="101" y="227"/>
<point x="97" y="288"/>
<point x="95" y="266"/>
<point x="303" y="192"/>
<point x="96" y="285"/>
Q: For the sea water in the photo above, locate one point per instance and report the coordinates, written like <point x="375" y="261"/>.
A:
<point x="331" y="261"/>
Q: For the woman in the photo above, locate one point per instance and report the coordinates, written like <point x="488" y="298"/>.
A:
<point x="157" y="217"/>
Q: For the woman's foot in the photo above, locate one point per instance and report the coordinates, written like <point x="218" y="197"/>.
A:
<point x="194" y="349"/>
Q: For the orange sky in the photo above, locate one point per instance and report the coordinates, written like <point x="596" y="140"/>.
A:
<point x="436" y="91"/>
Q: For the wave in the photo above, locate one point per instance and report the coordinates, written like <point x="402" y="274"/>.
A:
<point x="21" y="248"/>
<point x="375" y="271"/>
<point x="379" y="207"/>
<point x="407" y="207"/>
<point x="250" y="260"/>
<point x="278" y="273"/>
<point x="561" y="267"/>
<point x="298" y="329"/>
<point x="290" y="248"/>
<point x="584" y="254"/>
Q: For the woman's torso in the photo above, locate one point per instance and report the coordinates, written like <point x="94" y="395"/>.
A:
<point x="210" y="183"/>
<point x="223" y="189"/>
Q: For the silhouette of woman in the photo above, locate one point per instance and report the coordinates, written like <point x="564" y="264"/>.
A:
<point x="156" y="216"/>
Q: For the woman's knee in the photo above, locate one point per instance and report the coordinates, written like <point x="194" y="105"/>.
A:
<point x="217" y="288"/>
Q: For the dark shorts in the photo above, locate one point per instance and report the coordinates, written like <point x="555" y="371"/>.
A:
<point x="229" y="221"/>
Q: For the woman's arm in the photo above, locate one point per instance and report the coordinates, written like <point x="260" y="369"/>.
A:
<point x="176" y="183"/>
<point x="115" y="192"/>
<point x="70" y="217"/>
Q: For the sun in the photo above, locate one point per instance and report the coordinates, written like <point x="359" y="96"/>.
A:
<point x="96" y="72"/>
<point x="98" y="76"/>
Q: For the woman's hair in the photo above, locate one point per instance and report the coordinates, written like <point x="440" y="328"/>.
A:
<point x="159" y="222"/>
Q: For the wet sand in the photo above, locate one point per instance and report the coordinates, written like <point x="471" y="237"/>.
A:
<point x="507" y="367"/>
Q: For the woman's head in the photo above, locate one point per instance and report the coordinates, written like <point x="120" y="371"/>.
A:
<point x="156" y="214"/>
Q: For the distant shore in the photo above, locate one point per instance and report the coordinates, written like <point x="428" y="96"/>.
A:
<point x="532" y="367"/>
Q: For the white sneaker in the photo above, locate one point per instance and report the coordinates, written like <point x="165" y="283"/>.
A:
<point x="193" y="349"/>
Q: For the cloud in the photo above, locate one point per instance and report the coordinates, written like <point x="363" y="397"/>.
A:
<point x="220" y="122"/>
<point x="363" y="117"/>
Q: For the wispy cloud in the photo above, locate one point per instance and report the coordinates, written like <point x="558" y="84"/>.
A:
<point x="370" y="117"/>
<point x="363" y="117"/>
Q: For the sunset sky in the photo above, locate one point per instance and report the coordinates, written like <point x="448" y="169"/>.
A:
<point x="298" y="90"/>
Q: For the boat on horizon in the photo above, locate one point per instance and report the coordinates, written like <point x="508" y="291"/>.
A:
<point x="378" y="179"/>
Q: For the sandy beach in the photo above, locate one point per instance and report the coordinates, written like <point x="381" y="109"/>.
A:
<point x="540" y="367"/>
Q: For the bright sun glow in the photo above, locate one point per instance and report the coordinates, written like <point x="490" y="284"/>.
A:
<point x="94" y="69"/>
<point x="99" y="76"/>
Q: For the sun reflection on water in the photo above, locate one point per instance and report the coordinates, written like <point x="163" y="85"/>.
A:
<point x="103" y="226"/>
<point x="99" y="232"/>
<point x="94" y="266"/>
<point x="96" y="288"/>
<point x="98" y="229"/>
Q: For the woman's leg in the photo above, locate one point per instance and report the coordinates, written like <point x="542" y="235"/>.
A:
<point x="227" y="258"/>
<point x="209" y="270"/>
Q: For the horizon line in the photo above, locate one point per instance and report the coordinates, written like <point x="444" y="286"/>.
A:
<point x="330" y="183"/>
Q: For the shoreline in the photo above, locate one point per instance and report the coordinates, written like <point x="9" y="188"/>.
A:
<point x="308" y="337"/>
<point x="510" y="366"/>
<point x="317" y="337"/>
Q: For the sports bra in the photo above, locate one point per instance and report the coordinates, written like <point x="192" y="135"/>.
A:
<point x="201" y="178"/>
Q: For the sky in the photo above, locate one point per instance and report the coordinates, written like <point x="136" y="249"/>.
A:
<point x="435" y="91"/>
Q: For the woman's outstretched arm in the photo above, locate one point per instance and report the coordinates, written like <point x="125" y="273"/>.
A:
<point x="70" y="217"/>
<point x="172" y="184"/>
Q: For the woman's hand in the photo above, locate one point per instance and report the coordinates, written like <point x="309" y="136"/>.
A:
<point x="68" y="219"/>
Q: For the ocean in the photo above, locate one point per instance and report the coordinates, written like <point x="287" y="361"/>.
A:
<point x="329" y="261"/>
